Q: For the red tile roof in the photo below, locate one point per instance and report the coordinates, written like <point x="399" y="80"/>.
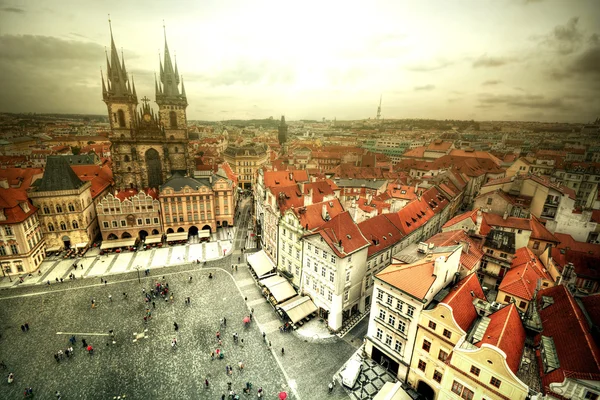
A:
<point x="417" y="152"/>
<point x="401" y="191"/>
<point x="100" y="175"/>
<point x="460" y="299"/>
<point x="20" y="177"/>
<point x="510" y="222"/>
<point x="506" y="332"/>
<point x="415" y="279"/>
<point x="10" y="202"/>
<point x="591" y="304"/>
<point x="311" y="216"/>
<point x="284" y="178"/>
<point x="287" y="197"/>
<point x="564" y="322"/>
<point x="381" y="233"/>
<point x="567" y="241"/>
<point x="320" y="189"/>
<point x="521" y="279"/>
<point x="342" y="229"/>
<point x="585" y="264"/>
<point x="461" y="217"/>
<point x="439" y="146"/>
<point x="468" y="259"/>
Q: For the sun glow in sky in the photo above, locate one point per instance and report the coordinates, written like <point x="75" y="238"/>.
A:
<point x="462" y="59"/>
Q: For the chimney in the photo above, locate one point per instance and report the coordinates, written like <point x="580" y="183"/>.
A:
<point x="324" y="214"/>
<point x="465" y="246"/>
<point x="369" y="198"/>
<point x="478" y="222"/>
<point x="505" y="216"/>
<point x="438" y="266"/>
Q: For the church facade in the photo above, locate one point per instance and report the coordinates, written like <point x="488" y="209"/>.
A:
<point x="147" y="147"/>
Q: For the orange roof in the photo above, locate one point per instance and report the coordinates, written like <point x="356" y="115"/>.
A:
<point x="100" y="176"/>
<point x="468" y="258"/>
<point x="401" y="191"/>
<point x="510" y="222"/>
<point x="461" y="217"/>
<point x="311" y="217"/>
<point x="567" y="241"/>
<point x="415" y="279"/>
<point x="506" y="332"/>
<point x="284" y="178"/>
<point x="460" y="299"/>
<point x="381" y="232"/>
<point x="287" y="197"/>
<point x="439" y="145"/>
<point x="20" y="177"/>
<point x="563" y="321"/>
<point x="521" y="279"/>
<point x="341" y="229"/>
<point x="10" y="200"/>
<point x="417" y="152"/>
<point x="320" y="189"/>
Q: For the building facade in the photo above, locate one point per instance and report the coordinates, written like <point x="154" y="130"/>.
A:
<point x="245" y="161"/>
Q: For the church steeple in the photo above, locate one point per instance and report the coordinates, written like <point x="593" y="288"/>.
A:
<point x="168" y="92"/>
<point x="118" y="83"/>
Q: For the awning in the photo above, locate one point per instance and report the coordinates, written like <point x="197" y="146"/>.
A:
<point x="53" y="249"/>
<point x="177" y="236"/>
<point x="260" y="263"/>
<point x="279" y="287"/>
<point x="111" y="244"/>
<point x="204" y="233"/>
<point x="392" y="391"/>
<point x="298" y="308"/>
<point x="153" y="239"/>
<point x="81" y="245"/>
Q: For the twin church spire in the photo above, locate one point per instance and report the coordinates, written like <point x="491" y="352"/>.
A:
<point x="118" y="85"/>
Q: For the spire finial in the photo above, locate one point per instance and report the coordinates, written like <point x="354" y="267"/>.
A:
<point x="164" y="30"/>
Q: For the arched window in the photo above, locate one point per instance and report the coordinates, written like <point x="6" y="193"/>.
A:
<point x="50" y="227"/>
<point x="71" y="207"/>
<point x="176" y="149"/>
<point x="121" y="116"/>
<point x="128" y="169"/>
<point x="58" y="209"/>
<point x="46" y="209"/>
<point x="173" y="119"/>
<point x="126" y="157"/>
<point x="63" y="226"/>
<point x="75" y="224"/>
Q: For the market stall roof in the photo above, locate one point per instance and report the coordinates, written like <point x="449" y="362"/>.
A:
<point x="279" y="287"/>
<point x="80" y="245"/>
<point x="203" y="233"/>
<point x="153" y="239"/>
<point x="111" y="244"/>
<point x="177" y="236"/>
<point x="298" y="308"/>
<point x="53" y="249"/>
<point x="260" y="263"/>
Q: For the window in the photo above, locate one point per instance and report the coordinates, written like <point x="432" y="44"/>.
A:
<point x="71" y="207"/>
<point x="590" y="396"/>
<point x="148" y="221"/>
<point x="462" y="391"/>
<point x="172" y="119"/>
<point x="442" y="355"/>
<point x="51" y="227"/>
<point x="422" y="365"/>
<point x="437" y="376"/>
<point x="46" y="209"/>
<point x="14" y="249"/>
<point x="324" y="254"/>
<point x="8" y="230"/>
<point x="388" y="340"/>
<point x="475" y="371"/>
<point x="123" y="223"/>
<point x="309" y="247"/>
<point x="323" y="272"/>
<point x="141" y="222"/>
<point x="114" y="224"/>
<point x="489" y="201"/>
<point x="58" y="209"/>
<point x="331" y="277"/>
<point x="447" y="334"/>
<point x="382" y="314"/>
<point x="379" y="334"/>
<point x="330" y="296"/>
<point x="426" y="345"/>
<point x="347" y="276"/>
<point x="507" y="299"/>
<point x="401" y="326"/>
<point x="522" y="304"/>
<point x="350" y="259"/>
<point x="536" y="245"/>
<point x="75" y="225"/>
<point x="389" y="300"/>
<point x="316" y="251"/>
<point x="495" y="382"/>
<point x="333" y="258"/>
<point x="2" y="251"/>
<point x="379" y="295"/>
<point x="392" y="320"/>
<point x="63" y="226"/>
<point x="398" y="346"/>
<point x="410" y="311"/>
<point x="346" y="295"/>
<point x="399" y="305"/>
<point x="432" y="325"/>
<point x="503" y="255"/>
<point x="105" y="224"/>
<point x="316" y="268"/>
<point x="156" y="220"/>
<point x="121" y="116"/>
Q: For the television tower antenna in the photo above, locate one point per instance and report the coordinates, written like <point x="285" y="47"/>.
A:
<point x="379" y="108"/>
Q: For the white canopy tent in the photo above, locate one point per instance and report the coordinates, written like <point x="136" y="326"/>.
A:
<point x="260" y="263"/>
<point x="112" y="244"/>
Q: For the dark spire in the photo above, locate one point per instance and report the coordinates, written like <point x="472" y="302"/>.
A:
<point x="183" y="88"/>
<point x="118" y="83"/>
<point x="133" y="84"/>
<point x="104" y="92"/>
<point x="282" y="131"/>
<point x="167" y="89"/>
<point x="156" y="89"/>
<point x="169" y="77"/>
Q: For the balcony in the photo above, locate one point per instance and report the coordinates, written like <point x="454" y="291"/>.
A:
<point x="551" y="203"/>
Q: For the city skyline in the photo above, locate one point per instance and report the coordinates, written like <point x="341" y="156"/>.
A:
<point x="333" y="60"/>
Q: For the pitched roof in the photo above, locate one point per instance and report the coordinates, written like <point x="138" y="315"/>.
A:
<point x="460" y="299"/>
<point x="591" y="304"/>
<point x="341" y="229"/>
<point x="506" y="332"/>
<point x="585" y="264"/>
<point x="415" y="279"/>
<point x="311" y="217"/>
<point x="284" y="178"/>
<point x="521" y="279"/>
<point x="565" y="323"/>
<point x="469" y="256"/>
<point x="10" y="203"/>
<point x="178" y="182"/>
<point x="58" y="175"/>
<point x="510" y="222"/>
<point x="567" y="241"/>
<point x="320" y="189"/>
<point x="381" y="232"/>
<point x="461" y="217"/>
<point x="100" y="176"/>
<point x="20" y="177"/>
<point x="539" y="231"/>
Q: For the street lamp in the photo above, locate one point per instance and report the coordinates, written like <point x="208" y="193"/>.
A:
<point x="137" y="267"/>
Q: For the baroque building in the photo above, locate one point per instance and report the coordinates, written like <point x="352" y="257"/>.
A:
<point x="147" y="148"/>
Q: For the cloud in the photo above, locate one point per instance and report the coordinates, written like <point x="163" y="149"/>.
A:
<point x="588" y="62"/>
<point x="424" y="88"/>
<point x="432" y="65"/>
<point x="13" y="10"/>
<point x="565" y="39"/>
<point x="247" y="72"/>
<point x="527" y="101"/>
<point x="491" y="82"/>
<point x="486" y="61"/>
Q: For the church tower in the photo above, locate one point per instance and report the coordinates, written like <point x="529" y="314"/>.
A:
<point x="282" y="130"/>
<point x="172" y="104"/>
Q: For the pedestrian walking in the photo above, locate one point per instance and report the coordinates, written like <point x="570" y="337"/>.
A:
<point x="124" y="295"/>
<point x="206" y="383"/>
<point x="282" y="351"/>
<point x="224" y="321"/>
<point x="72" y="340"/>
<point x="269" y="344"/>
<point x="101" y="280"/>
<point x="57" y="394"/>
<point x="110" y="298"/>
<point x="174" y="343"/>
<point x="235" y="267"/>
<point x="264" y="337"/>
<point x="105" y="282"/>
<point x="23" y="328"/>
<point x="176" y="326"/>
<point x="56" y="357"/>
<point x="153" y="304"/>
<point x="83" y="342"/>
<point x="218" y="335"/>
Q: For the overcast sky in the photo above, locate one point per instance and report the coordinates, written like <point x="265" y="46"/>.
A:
<point x="476" y="59"/>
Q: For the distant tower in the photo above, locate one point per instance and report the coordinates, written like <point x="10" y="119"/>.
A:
<point x="379" y="108"/>
<point x="282" y="129"/>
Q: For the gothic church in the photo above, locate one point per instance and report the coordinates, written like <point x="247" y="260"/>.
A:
<point x="147" y="148"/>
